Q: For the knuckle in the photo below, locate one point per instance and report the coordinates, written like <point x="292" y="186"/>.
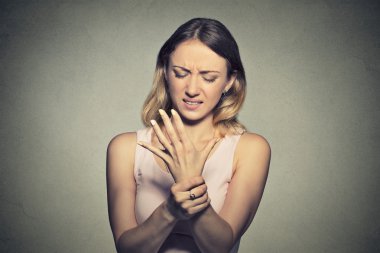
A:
<point x="204" y="198"/>
<point x="193" y="180"/>
<point x="173" y="189"/>
<point x="177" y="198"/>
<point x="198" y="180"/>
<point x="184" y="206"/>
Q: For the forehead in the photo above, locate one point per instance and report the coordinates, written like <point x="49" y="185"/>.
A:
<point x="194" y="54"/>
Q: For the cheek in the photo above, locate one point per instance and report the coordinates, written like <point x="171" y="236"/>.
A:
<point x="216" y="90"/>
<point x="213" y="96"/>
<point x="174" y="87"/>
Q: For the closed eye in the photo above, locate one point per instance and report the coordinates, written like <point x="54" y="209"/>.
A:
<point x="179" y="75"/>
<point x="209" y="80"/>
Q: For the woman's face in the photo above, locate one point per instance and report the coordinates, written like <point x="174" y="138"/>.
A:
<point x="196" y="77"/>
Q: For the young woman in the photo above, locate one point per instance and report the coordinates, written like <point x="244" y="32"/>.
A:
<point x="193" y="179"/>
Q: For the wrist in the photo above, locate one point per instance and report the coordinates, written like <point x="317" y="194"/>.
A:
<point x="187" y="177"/>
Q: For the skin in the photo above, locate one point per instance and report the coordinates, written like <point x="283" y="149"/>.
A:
<point x="195" y="74"/>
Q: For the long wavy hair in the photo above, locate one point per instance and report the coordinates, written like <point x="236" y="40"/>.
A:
<point x="216" y="36"/>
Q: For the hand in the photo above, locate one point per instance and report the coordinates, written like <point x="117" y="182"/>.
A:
<point x="188" y="198"/>
<point x="180" y="155"/>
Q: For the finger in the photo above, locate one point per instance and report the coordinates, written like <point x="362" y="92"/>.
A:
<point x="192" y="203"/>
<point x="161" y="137"/>
<point x="178" y="124"/>
<point x="187" y="184"/>
<point x="172" y="134"/>
<point x="180" y="197"/>
<point x="199" y="190"/>
<point x="167" y="159"/>
<point x="192" y="194"/>
<point x="198" y="208"/>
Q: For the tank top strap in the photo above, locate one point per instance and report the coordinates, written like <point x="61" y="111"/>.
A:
<point x="232" y="140"/>
<point x="144" y="134"/>
<point x="231" y="143"/>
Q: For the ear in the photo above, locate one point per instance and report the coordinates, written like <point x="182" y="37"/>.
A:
<point x="230" y="82"/>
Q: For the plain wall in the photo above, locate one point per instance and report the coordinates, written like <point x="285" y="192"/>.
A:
<point x="73" y="74"/>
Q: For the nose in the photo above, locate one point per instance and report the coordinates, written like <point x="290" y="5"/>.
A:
<point x="192" y="88"/>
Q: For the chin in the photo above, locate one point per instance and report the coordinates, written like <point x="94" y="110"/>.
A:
<point x="192" y="117"/>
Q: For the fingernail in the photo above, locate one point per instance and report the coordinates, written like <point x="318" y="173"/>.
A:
<point x="161" y="112"/>
<point x="153" y="122"/>
<point x="173" y="112"/>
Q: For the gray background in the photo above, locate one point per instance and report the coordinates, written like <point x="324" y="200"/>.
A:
<point x="73" y="74"/>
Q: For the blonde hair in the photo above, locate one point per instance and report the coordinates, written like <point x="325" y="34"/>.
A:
<point x="217" y="37"/>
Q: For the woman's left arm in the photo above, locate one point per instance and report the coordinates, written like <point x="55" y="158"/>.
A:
<point x="215" y="232"/>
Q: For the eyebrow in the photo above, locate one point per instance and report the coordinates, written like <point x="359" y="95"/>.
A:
<point x="201" y="72"/>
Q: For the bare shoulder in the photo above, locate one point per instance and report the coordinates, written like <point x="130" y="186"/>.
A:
<point x="120" y="162"/>
<point x="122" y="142"/>
<point x="252" y="149"/>
<point x="252" y="142"/>
<point x="121" y="152"/>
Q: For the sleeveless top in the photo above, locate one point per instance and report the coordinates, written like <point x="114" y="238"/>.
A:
<point x="153" y="187"/>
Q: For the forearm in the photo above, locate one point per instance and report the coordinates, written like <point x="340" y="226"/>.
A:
<point x="150" y="235"/>
<point x="210" y="232"/>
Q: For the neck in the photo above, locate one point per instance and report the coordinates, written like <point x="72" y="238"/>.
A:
<point x="199" y="131"/>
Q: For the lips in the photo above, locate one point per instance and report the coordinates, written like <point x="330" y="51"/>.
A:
<point x="192" y="104"/>
<point x="192" y="101"/>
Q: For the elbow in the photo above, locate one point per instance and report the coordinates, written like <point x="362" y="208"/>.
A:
<point x="124" y="248"/>
<point x="231" y="240"/>
<point x="123" y="245"/>
<point x="119" y="248"/>
<point x="119" y="245"/>
<point x="127" y="244"/>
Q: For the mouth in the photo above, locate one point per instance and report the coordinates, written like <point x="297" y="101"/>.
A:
<point x="192" y="102"/>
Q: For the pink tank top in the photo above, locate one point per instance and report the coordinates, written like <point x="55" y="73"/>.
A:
<point x="153" y="187"/>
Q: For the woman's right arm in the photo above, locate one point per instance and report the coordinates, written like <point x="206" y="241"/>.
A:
<point x="121" y="191"/>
